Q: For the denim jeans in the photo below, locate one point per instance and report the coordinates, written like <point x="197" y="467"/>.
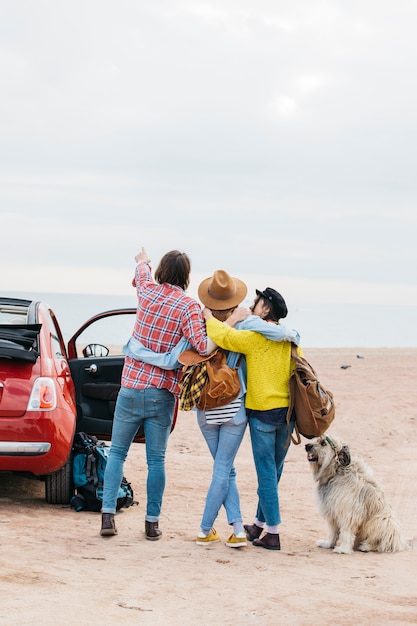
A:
<point x="269" y="452"/>
<point x="223" y="442"/>
<point x="155" y="409"/>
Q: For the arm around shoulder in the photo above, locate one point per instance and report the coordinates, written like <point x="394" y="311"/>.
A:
<point x="275" y="332"/>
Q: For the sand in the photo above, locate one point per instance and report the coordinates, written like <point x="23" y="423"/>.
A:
<point x="56" y="569"/>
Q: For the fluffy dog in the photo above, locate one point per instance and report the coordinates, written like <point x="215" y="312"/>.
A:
<point x="351" y="501"/>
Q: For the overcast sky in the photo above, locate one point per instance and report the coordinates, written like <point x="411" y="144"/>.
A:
<point x="276" y="140"/>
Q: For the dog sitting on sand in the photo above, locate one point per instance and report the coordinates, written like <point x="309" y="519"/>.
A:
<point x="351" y="501"/>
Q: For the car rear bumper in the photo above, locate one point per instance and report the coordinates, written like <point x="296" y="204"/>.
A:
<point x="24" y="448"/>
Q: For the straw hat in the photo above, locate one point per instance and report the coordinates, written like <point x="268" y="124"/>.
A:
<point x="221" y="291"/>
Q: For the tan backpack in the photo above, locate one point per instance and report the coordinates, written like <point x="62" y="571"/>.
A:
<point x="313" y="404"/>
<point x="207" y="381"/>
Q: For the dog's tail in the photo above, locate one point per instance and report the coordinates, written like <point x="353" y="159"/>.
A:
<point x="390" y="536"/>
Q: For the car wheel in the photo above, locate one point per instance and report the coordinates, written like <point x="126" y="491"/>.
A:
<point x="59" y="486"/>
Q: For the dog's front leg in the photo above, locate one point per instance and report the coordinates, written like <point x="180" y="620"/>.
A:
<point x="330" y="542"/>
<point x="346" y="541"/>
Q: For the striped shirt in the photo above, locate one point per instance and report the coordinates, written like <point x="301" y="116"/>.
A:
<point x="164" y="315"/>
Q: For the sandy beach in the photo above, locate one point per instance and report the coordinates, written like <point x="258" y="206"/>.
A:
<point x="56" y="569"/>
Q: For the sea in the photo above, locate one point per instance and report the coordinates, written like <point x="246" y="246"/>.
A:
<point x="320" y="326"/>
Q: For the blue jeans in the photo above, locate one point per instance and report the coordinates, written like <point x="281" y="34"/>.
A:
<point x="155" y="409"/>
<point x="223" y="441"/>
<point x="269" y="452"/>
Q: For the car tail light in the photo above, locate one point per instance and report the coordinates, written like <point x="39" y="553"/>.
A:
<point x="43" y="396"/>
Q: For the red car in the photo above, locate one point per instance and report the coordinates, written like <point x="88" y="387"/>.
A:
<point x="49" y="391"/>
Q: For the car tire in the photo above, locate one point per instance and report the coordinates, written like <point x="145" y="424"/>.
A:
<point x="59" y="486"/>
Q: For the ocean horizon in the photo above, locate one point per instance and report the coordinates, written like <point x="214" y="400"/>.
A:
<point x="320" y="325"/>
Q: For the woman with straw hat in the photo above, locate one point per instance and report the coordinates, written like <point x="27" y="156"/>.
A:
<point x="223" y="428"/>
<point x="267" y="399"/>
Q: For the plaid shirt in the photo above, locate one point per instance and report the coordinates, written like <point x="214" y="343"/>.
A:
<point x="192" y="382"/>
<point x="164" y="315"/>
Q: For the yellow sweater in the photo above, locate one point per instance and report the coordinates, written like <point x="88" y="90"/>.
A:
<point x="268" y="364"/>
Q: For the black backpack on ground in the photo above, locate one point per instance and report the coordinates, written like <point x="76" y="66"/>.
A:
<point x="89" y="463"/>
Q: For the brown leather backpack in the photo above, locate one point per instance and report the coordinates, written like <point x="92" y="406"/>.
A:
<point x="313" y="404"/>
<point x="207" y="381"/>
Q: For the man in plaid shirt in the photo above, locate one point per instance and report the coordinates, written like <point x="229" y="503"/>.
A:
<point x="148" y="394"/>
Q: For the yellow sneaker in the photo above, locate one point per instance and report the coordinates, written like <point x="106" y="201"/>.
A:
<point x="237" y="541"/>
<point x="204" y="540"/>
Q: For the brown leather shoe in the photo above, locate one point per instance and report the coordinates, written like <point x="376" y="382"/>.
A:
<point x="152" y="531"/>
<point x="252" y="531"/>
<point x="268" y="541"/>
<point x="108" y="527"/>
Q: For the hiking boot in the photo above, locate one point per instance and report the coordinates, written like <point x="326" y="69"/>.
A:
<point x="237" y="541"/>
<point x="152" y="531"/>
<point x="253" y="531"/>
<point x="269" y="541"/>
<point x="108" y="527"/>
<point x="204" y="540"/>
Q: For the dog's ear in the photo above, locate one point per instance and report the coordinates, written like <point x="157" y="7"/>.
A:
<point x="344" y="456"/>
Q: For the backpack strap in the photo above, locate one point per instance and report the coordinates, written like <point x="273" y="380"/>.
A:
<point x="91" y="468"/>
<point x="296" y="439"/>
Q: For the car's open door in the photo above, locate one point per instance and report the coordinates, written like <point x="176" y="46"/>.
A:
<point x="96" y="361"/>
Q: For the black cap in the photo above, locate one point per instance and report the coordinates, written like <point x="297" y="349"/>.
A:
<point x="276" y="301"/>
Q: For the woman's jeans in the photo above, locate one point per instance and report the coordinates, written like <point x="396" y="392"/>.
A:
<point x="223" y="441"/>
<point x="269" y="452"/>
<point x="154" y="408"/>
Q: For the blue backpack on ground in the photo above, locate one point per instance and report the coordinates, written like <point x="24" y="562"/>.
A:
<point x="89" y="463"/>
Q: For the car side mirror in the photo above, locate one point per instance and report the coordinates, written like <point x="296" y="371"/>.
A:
<point x="95" y="349"/>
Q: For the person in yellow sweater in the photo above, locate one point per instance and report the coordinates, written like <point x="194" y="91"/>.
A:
<point x="267" y="399"/>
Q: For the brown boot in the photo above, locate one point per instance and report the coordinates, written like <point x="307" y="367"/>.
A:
<point x="268" y="541"/>
<point x="252" y="532"/>
<point x="108" y="527"/>
<point x="152" y="531"/>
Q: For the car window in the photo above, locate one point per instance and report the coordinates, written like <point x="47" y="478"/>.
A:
<point x="18" y="316"/>
<point x="58" y="347"/>
<point x="110" y="332"/>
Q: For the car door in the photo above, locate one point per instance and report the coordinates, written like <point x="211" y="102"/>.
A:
<point x="96" y="361"/>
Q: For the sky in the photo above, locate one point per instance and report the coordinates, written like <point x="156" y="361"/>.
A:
<point x="275" y="140"/>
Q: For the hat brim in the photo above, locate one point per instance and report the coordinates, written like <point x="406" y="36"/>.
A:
<point x="218" y="304"/>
